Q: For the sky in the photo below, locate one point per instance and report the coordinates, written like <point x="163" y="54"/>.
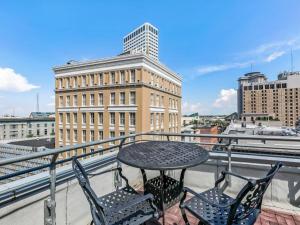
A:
<point x="209" y="43"/>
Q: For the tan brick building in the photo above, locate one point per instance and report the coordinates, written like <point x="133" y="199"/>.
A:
<point x="278" y="99"/>
<point x="112" y="97"/>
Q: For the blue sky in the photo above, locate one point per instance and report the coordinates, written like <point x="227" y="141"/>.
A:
<point x="210" y="43"/>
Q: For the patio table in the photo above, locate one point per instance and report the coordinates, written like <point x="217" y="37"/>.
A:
<point x="163" y="156"/>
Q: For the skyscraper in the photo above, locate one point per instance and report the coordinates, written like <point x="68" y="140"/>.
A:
<point x="142" y="39"/>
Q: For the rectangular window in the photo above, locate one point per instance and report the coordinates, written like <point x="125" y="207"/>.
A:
<point x="122" y="119"/>
<point x="100" y="118"/>
<point x="152" y="99"/>
<point x="75" y="100"/>
<point x="75" y="82"/>
<point x="157" y="100"/>
<point x="84" y="118"/>
<point x="60" y="119"/>
<point x="101" y="79"/>
<point x="92" y="135"/>
<point x="92" y="118"/>
<point x="132" y="119"/>
<point x="112" y="118"/>
<point x="92" y="80"/>
<point x="112" y="78"/>
<point x="68" y="135"/>
<point x="83" y="100"/>
<point x="60" y="83"/>
<point x="100" y="98"/>
<point x="122" y="133"/>
<point x="122" y="77"/>
<point x="92" y="100"/>
<point x="67" y="82"/>
<point x="68" y="100"/>
<point x="152" y="119"/>
<point x="61" y="134"/>
<point x="83" y="81"/>
<point x="112" y="135"/>
<point x="100" y="135"/>
<point x="122" y="98"/>
<point x="112" y="98"/>
<point x="162" y="101"/>
<point x="68" y="117"/>
<point x="75" y="118"/>
<point x="75" y="135"/>
<point x="84" y="136"/>
<point x="132" y="76"/>
<point x="132" y="98"/>
<point x="61" y="101"/>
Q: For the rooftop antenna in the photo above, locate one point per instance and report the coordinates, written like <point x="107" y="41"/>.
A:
<point x="37" y="103"/>
<point x="292" y="60"/>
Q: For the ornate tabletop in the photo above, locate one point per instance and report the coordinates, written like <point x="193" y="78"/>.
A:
<point x="163" y="155"/>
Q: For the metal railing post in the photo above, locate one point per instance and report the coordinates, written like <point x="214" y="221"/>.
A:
<point x="117" y="178"/>
<point x="229" y="148"/>
<point x="50" y="204"/>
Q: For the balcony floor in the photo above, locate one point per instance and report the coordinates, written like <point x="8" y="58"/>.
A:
<point x="267" y="217"/>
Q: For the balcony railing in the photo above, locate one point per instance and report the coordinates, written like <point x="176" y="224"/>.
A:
<point x="226" y="154"/>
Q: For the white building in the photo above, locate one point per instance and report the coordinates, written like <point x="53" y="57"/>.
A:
<point x="142" y="39"/>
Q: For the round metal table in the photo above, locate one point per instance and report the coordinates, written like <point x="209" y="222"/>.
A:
<point x="163" y="156"/>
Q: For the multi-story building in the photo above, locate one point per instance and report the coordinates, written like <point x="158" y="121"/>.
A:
<point x="114" y="97"/>
<point x="142" y="39"/>
<point x="278" y="100"/>
<point x="35" y="125"/>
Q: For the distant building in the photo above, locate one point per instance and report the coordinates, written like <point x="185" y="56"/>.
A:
<point x="143" y="39"/>
<point x="206" y="130"/>
<point x="23" y="127"/>
<point x="272" y="100"/>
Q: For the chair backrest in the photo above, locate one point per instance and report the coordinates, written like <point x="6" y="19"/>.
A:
<point x="250" y="198"/>
<point x="82" y="177"/>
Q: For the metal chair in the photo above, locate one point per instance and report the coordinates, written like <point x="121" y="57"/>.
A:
<point x="123" y="206"/>
<point x="213" y="207"/>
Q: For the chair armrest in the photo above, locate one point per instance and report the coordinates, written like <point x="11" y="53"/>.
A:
<point x="133" y="203"/>
<point x="224" y="173"/>
<point x="186" y="189"/>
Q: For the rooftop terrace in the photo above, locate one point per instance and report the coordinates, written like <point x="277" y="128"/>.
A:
<point x="32" y="200"/>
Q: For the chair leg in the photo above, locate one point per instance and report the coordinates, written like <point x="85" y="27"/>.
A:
<point x="184" y="216"/>
<point x="92" y="222"/>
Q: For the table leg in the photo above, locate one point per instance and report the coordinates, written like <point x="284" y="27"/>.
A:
<point x="144" y="178"/>
<point x="162" y="174"/>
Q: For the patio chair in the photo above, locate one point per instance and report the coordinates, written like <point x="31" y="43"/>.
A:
<point x="123" y="206"/>
<point x="213" y="207"/>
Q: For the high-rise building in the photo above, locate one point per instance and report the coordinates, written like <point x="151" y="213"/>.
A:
<point x="118" y="96"/>
<point x="142" y="39"/>
<point x="278" y="100"/>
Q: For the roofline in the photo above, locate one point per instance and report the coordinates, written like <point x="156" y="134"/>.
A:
<point x="116" y="59"/>
<point x="146" y="23"/>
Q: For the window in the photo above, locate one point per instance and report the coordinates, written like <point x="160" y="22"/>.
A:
<point x="68" y="100"/>
<point x="162" y="101"/>
<point x="92" y="118"/>
<point x="112" y="98"/>
<point x="132" y="98"/>
<point x="132" y="76"/>
<point x="84" y="136"/>
<point x="122" y="119"/>
<point x="92" y="135"/>
<point x="112" y="135"/>
<point x="60" y="119"/>
<point x="92" y="100"/>
<point x="162" y="120"/>
<point x="83" y="78"/>
<point x="101" y="79"/>
<point x="100" y="135"/>
<point x="75" y="118"/>
<point x="45" y="132"/>
<point x="152" y="99"/>
<point x="68" y="135"/>
<point x="100" y="98"/>
<point x="122" y="133"/>
<point x="122" y="98"/>
<point x="84" y="118"/>
<point x="157" y="120"/>
<point x="68" y="117"/>
<point x="112" y="78"/>
<point x="59" y="83"/>
<point x="152" y="119"/>
<point x="75" y="82"/>
<point x="92" y="80"/>
<point x="61" y="134"/>
<point x="67" y="82"/>
<point x="132" y="119"/>
<point x="84" y="100"/>
<point x="61" y="101"/>
<point x="157" y="100"/>
<point x="112" y="118"/>
<point x="75" y="135"/>
<point x="100" y="119"/>
<point x="75" y="100"/>
<point x="122" y="77"/>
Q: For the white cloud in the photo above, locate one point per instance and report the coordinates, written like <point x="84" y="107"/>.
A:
<point x="14" y="82"/>
<point x="188" y="107"/>
<point x="226" y="100"/>
<point x="274" y="56"/>
<point x="221" y="67"/>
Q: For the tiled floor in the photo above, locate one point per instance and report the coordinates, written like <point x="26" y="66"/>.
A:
<point x="267" y="217"/>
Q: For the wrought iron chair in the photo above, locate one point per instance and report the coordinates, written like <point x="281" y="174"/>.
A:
<point x="213" y="207"/>
<point x="123" y="206"/>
